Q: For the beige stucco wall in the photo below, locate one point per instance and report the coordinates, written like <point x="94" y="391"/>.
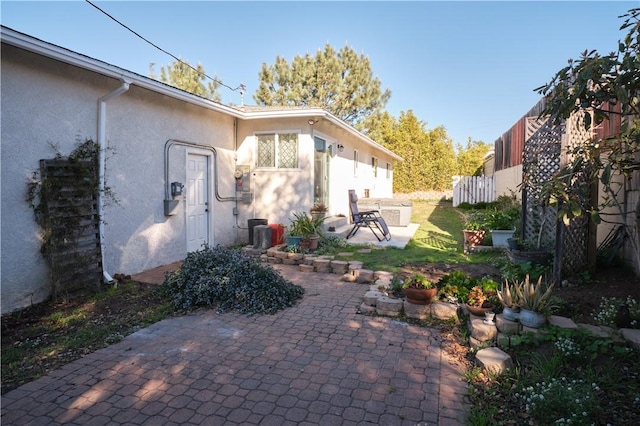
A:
<point x="46" y="102"/>
<point x="508" y="180"/>
<point x="280" y="193"/>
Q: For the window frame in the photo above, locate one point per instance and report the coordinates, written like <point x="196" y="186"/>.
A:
<point x="276" y="157"/>
<point x="374" y="166"/>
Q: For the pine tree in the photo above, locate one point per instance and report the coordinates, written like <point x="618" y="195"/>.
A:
<point x="183" y="76"/>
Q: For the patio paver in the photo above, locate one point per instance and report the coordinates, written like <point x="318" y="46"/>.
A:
<point x="318" y="362"/>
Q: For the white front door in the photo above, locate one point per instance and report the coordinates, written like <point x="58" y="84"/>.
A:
<point x="197" y="201"/>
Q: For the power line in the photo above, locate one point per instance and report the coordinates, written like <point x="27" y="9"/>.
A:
<point x="241" y="86"/>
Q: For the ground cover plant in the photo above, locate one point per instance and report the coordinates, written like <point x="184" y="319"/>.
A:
<point x="229" y="280"/>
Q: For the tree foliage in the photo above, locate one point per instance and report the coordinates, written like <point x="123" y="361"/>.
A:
<point x="339" y="81"/>
<point x="597" y="88"/>
<point x="470" y="158"/>
<point x="191" y="79"/>
<point x="429" y="157"/>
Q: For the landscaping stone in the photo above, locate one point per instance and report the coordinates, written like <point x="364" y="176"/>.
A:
<point x="323" y="269"/>
<point x="272" y="252"/>
<point x="289" y="261"/>
<point x="366" y="309"/>
<point x="275" y="260"/>
<point x="507" y="326"/>
<point x="443" y="310"/>
<point x="365" y="276"/>
<point x="597" y="330"/>
<point x="482" y="331"/>
<point x="562" y="322"/>
<point x="494" y="359"/>
<point x="322" y="263"/>
<point x="503" y="340"/>
<point x="339" y="266"/>
<point x="264" y="258"/>
<point x="306" y="268"/>
<point x="479" y="344"/>
<point x="414" y="311"/>
<point x="633" y="336"/>
<point x="309" y="258"/>
<point x="371" y="297"/>
<point x="364" y="251"/>
<point x="389" y="306"/>
<point x="281" y="254"/>
<point x="355" y="264"/>
<point x="345" y="254"/>
<point x="383" y="275"/>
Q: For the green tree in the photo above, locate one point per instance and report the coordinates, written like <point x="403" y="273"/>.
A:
<point x="597" y="88"/>
<point x="470" y="158"/>
<point x="429" y="158"/>
<point x="191" y="79"/>
<point x="339" y="81"/>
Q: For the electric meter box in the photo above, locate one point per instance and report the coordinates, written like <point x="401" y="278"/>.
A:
<point x="243" y="178"/>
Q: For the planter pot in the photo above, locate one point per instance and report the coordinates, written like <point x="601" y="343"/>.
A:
<point x="318" y="215"/>
<point x="500" y="236"/>
<point x="478" y="310"/>
<point x="304" y="244"/>
<point x="532" y="319"/>
<point x="420" y="296"/>
<point x="313" y="242"/>
<point x="535" y="257"/>
<point x="293" y="241"/>
<point x="512" y="243"/>
<point x="510" y="314"/>
<point x="473" y="237"/>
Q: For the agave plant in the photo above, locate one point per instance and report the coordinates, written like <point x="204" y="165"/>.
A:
<point x="508" y="295"/>
<point x="533" y="297"/>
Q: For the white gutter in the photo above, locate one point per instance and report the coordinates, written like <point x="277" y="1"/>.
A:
<point x="102" y="146"/>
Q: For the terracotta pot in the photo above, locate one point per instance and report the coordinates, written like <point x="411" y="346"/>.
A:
<point x="313" y="242"/>
<point x="420" y="296"/>
<point x="532" y="319"/>
<point x="473" y="237"/>
<point x="478" y="310"/>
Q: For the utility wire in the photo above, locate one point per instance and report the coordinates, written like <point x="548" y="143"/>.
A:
<point x="241" y="86"/>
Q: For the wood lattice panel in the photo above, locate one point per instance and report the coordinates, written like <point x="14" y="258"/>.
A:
<point x="71" y="221"/>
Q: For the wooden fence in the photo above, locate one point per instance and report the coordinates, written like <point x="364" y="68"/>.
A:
<point x="473" y="189"/>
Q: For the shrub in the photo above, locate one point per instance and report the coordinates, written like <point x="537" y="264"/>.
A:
<point x="609" y="310"/>
<point x="229" y="280"/>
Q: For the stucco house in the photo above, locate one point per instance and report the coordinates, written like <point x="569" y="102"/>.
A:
<point x="185" y="170"/>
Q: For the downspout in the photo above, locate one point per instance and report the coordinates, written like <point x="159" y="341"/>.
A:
<point x="102" y="146"/>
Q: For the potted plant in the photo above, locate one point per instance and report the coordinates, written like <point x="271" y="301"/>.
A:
<point x="508" y="298"/>
<point x="308" y="228"/>
<point x="501" y="223"/>
<point x="478" y="301"/>
<point x="419" y="290"/>
<point x="475" y="227"/>
<point x="319" y="210"/>
<point x="533" y="300"/>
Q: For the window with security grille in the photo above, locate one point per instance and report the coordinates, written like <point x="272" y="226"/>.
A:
<point x="277" y="150"/>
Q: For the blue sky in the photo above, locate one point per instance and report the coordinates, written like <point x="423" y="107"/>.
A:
<point x="469" y="66"/>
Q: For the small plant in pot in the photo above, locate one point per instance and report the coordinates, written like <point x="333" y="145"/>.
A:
<point x="475" y="228"/>
<point x="502" y="225"/>
<point x="419" y="290"/>
<point x="508" y="298"/>
<point x="319" y="210"/>
<point x="534" y="300"/>
<point x="308" y="228"/>
<point x="478" y="301"/>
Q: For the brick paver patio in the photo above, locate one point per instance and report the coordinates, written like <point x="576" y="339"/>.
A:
<point x="319" y="362"/>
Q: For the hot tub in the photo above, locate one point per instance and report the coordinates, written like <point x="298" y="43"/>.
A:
<point x="395" y="212"/>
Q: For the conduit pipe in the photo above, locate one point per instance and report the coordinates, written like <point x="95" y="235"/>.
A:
<point x="102" y="146"/>
<point x="167" y="186"/>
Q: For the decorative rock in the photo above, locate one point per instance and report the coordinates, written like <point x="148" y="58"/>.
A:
<point x="417" y="311"/>
<point x="264" y="258"/>
<point x="383" y="275"/>
<point x="348" y="278"/>
<point x="339" y="266"/>
<point x="308" y="260"/>
<point x="562" y="322"/>
<point x="389" y="306"/>
<point x="507" y="326"/>
<point x="482" y="331"/>
<point x="371" y="297"/>
<point x="632" y="335"/>
<point x="386" y="282"/>
<point x="374" y="287"/>
<point x="443" y="310"/>
<point x="271" y="252"/>
<point x="296" y="256"/>
<point x="289" y="261"/>
<point x="365" y="276"/>
<point x="494" y="359"/>
<point x="364" y="251"/>
<point x="306" y="268"/>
